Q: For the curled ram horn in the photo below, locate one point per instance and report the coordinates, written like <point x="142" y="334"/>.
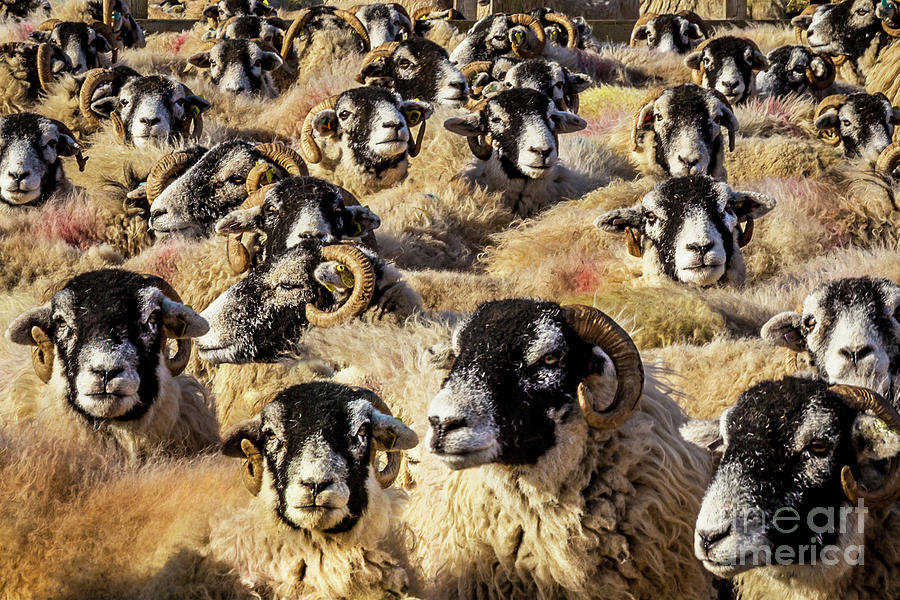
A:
<point x="692" y="17"/>
<point x="528" y="21"/>
<point x="49" y="24"/>
<point x="597" y="328"/>
<point x="311" y="151"/>
<point x="572" y="35"/>
<point x="642" y="20"/>
<point x="830" y="73"/>
<point x="238" y="254"/>
<point x="382" y="51"/>
<point x="356" y="25"/>
<point x="176" y="363"/>
<point x="166" y="169"/>
<point x="225" y="25"/>
<point x="829" y="135"/>
<point x="800" y="32"/>
<point x="471" y="70"/>
<point x="108" y="13"/>
<point x="282" y="155"/>
<point x="633" y="243"/>
<point x="862" y="399"/>
<point x="92" y="80"/>
<point x="698" y="73"/>
<point x="363" y="273"/>
<point x="387" y="474"/>
<point x="293" y="31"/>
<point x="888" y="160"/>
<point x="45" y="66"/>
<point x="79" y="157"/>
<point x="422" y="10"/>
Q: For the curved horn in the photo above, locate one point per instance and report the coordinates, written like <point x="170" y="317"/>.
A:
<point x="692" y="17"/>
<point x="92" y="80"/>
<point x="863" y="399"/>
<point x="64" y="129"/>
<point x="642" y="20"/>
<point x="296" y="27"/>
<point x="799" y="32"/>
<point x="166" y="169"/>
<point x="179" y="361"/>
<point x="45" y="66"/>
<point x="697" y="74"/>
<point x="228" y="22"/>
<point x="282" y="155"/>
<point x="637" y="123"/>
<point x="49" y="24"/>
<point x="386" y="476"/>
<point x="382" y="51"/>
<point x="356" y="25"/>
<point x="537" y="28"/>
<point x="633" y="242"/>
<point x="829" y="135"/>
<point x="572" y="35"/>
<point x="830" y="73"/>
<point x="363" y="289"/>
<point x="888" y="160"/>
<point x="595" y="327"/>
<point x="311" y="151"/>
<point x="108" y="13"/>
<point x="43" y="354"/>
<point x="421" y="10"/>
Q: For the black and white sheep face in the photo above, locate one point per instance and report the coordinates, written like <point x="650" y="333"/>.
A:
<point x="385" y="23"/>
<point x="420" y="69"/>
<point x="687" y="229"/>
<point x="270" y="30"/>
<point x="128" y="33"/>
<point x="850" y="329"/>
<point x="18" y="10"/>
<point x="300" y="209"/>
<point x="726" y="65"/>
<point x="864" y="123"/>
<point x="153" y="109"/>
<point x="548" y="78"/>
<point x="31" y="147"/>
<point x="239" y="66"/>
<point x="83" y="45"/>
<point x="261" y="317"/>
<point x="787" y="73"/>
<point x="107" y="328"/>
<point x="22" y="60"/>
<point x="687" y="124"/>
<point x="489" y="38"/>
<point x="775" y="501"/>
<point x="371" y="125"/>
<point x="316" y="440"/>
<point x="516" y="365"/>
<point x="844" y="29"/>
<point x="214" y="185"/>
<point x="670" y="33"/>
<point x="225" y="9"/>
<point x="523" y="126"/>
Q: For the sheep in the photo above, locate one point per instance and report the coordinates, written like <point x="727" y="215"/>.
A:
<point x="22" y="9"/>
<point x="784" y="516"/>
<point x="101" y="351"/>
<point x="417" y="69"/>
<point x="678" y="132"/>
<point x="384" y="22"/>
<point x="189" y="190"/>
<point x="514" y="140"/>
<point x="225" y="9"/>
<point x="361" y="139"/>
<point x="499" y="35"/>
<point x="672" y="33"/>
<point x="549" y="78"/>
<point x="239" y="66"/>
<point x="320" y="25"/>
<point x="268" y="29"/>
<point x="85" y="45"/>
<point x="121" y="29"/>
<point x="429" y="17"/>
<point x="799" y="70"/>
<point x="29" y="70"/>
<point x="849" y="328"/>
<point x="862" y="123"/>
<point x="561" y="31"/>
<point x="726" y="64"/>
<point x="144" y="110"/>
<point x="565" y="500"/>
<point x="31" y="169"/>
<point x="323" y="520"/>
<point x="688" y="229"/>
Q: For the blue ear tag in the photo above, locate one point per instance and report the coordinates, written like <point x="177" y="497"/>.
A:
<point x="142" y="184"/>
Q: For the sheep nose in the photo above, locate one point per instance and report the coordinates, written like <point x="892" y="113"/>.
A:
<point x="392" y="124"/>
<point x="854" y="355"/>
<point x="460" y="85"/>
<point x="107" y="374"/>
<point x="156" y="213"/>
<point x="149" y="121"/>
<point x="236" y="90"/>
<point x="688" y="161"/>
<point x="708" y="539"/>
<point x="446" y="425"/>
<point x="729" y="85"/>
<point x="317" y="487"/>
<point x="542" y="152"/>
<point x="701" y="248"/>
<point x="19" y="175"/>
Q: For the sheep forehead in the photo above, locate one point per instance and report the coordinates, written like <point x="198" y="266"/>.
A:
<point x="684" y="101"/>
<point x="695" y="193"/>
<point x="228" y="158"/>
<point x="866" y="108"/>
<point x="548" y="337"/>
<point x="231" y="51"/>
<point x="843" y="296"/>
<point x="23" y="125"/>
<point x="728" y="46"/>
<point x="817" y="421"/>
<point x="153" y="86"/>
<point x="407" y="53"/>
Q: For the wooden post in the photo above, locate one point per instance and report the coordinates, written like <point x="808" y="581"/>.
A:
<point x="466" y="7"/>
<point x="138" y="8"/>
<point x="735" y="9"/>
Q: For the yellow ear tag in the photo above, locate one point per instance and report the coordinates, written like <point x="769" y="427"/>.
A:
<point x="330" y="288"/>
<point x="519" y="37"/>
<point x="414" y="116"/>
<point x="195" y="110"/>
<point x="357" y="229"/>
<point x="177" y="330"/>
<point x="270" y="174"/>
<point x="346" y="276"/>
<point x="390" y="446"/>
<point x="553" y="34"/>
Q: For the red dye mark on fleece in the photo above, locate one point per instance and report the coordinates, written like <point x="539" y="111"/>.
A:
<point x="178" y="42"/>
<point x="586" y="278"/>
<point x="167" y="260"/>
<point x="71" y="226"/>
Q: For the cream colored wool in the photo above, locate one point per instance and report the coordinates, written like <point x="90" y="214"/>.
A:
<point x="30" y="263"/>
<point x="457" y="291"/>
<point x="665" y="69"/>
<point x="877" y="69"/>
<point x="603" y="514"/>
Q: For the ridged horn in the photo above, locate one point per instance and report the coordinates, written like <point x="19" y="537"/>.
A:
<point x="49" y="24"/>
<point x="374" y="54"/>
<point x="642" y="20"/>
<point x="597" y="328"/>
<point x="166" y="169"/>
<point x="692" y="17"/>
<point x="179" y="361"/>
<point x="888" y="160"/>
<point x="633" y="243"/>
<point x="45" y="66"/>
<point x="92" y="80"/>
<point x="830" y="73"/>
<point x="388" y="474"/>
<point x="697" y="74"/>
<point x="311" y="151"/>
<point x="356" y="25"/>
<point x="363" y="287"/>
<point x="421" y="10"/>
<point x="108" y="13"/>
<point x="829" y="135"/>
<point x="282" y="155"/>
<point x="799" y="32"/>
<point x="572" y="35"/>
<point x="296" y="27"/>
<point x="537" y="28"/>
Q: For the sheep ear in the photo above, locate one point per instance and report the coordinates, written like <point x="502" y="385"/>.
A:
<point x="818" y="67"/>
<point x="469" y="125"/>
<point x="750" y="205"/>
<point x="239" y="221"/>
<point x="245" y="430"/>
<point x="411" y="107"/>
<point x="481" y="80"/>
<point x="872" y="440"/>
<point x="105" y="106"/>
<point x="376" y="68"/>
<point x="493" y="88"/>
<point x="363" y="221"/>
<point x="19" y="331"/>
<point x="802" y="21"/>
<point x="441" y="355"/>
<point x="198" y="103"/>
<point x="180" y="321"/>
<point x="620" y="219"/>
<point x="827" y="120"/>
<point x="692" y="61"/>
<point x="326" y="123"/>
<point x="756" y="59"/>
<point x="200" y="60"/>
<point x="895" y="116"/>
<point x="391" y="433"/>
<point x="641" y="33"/>
<point x="705" y="434"/>
<point x="66" y="145"/>
<point x="693" y="32"/>
<point x="578" y="82"/>
<point x="566" y="122"/>
<point x="211" y="12"/>
<point x="101" y="43"/>
<point x="784" y="330"/>
<point x="271" y="61"/>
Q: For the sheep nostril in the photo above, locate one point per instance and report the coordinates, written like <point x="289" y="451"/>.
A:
<point x="708" y="539"/>
<point x="854" y="355"/>
<point x="20" y="176"/>
<point x="460" y="85"/>
<point x="150" y="122"/>
<point x="688" y="162"/>
<point x="392" y="125"/>
<point x="701" y="249"/>
<point x="156" y="213"/>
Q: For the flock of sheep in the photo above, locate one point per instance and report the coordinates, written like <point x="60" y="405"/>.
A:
<point x="508" y="312"/>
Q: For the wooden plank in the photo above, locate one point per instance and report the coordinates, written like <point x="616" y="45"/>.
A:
<point x="735" y="9"/>
<point x="138" y="8"/>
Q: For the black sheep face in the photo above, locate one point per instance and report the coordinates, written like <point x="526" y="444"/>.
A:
<point x="489" y="38"/>
<point x="239" y="66"/>
<point x="384" y="23"/>
<point x="548" y="78"/>
<point x="225" y="9"/>
<point x="726" y="65"/>
<point x="298" y="209"/>
<point x="670" y="34"/>
<point x="850" y="328"/>
<point x="844" y="29"/>
<point x="776" y="501"/>
<point x="106" y="327"/>
<point x="270" y="30"/>
<point x="516" y="365"/>
<point x="316" y="440"/>
<point x="83" y="45"/>
<point x="787" y="73"/>
<point x="864" y="123"/>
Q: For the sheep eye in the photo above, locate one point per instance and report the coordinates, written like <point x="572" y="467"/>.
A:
<point x="344" y="114"/>
<point x="819" y="446"/>
<point x="51" y="144"/>
<point x="651" y="39"/>
<point x="659" y="117"/>
<point x="559" y="84"/>
<point x="810" y="322"/>
<point x="212" y="63"/>
<point x="361" y="435"/>
<point x="123" y="102"/>
<point x="287" y="285"/>
<point x="862" y="11"/>
<point x="551" y="359"/>
<point x="60" y="322"/>
<point x="180" y="102"/>
<point x="651" y="218"/>
<point x="236" y="179"/>
<point x="845" y="122"/>
<point x="496" y="120"/>
<point x="404" y="64"/>
<point x="257" y="63"/>
<point x="717" y="119"/>
<point x="153" y="318"/>
<point x="799" y="69"/>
